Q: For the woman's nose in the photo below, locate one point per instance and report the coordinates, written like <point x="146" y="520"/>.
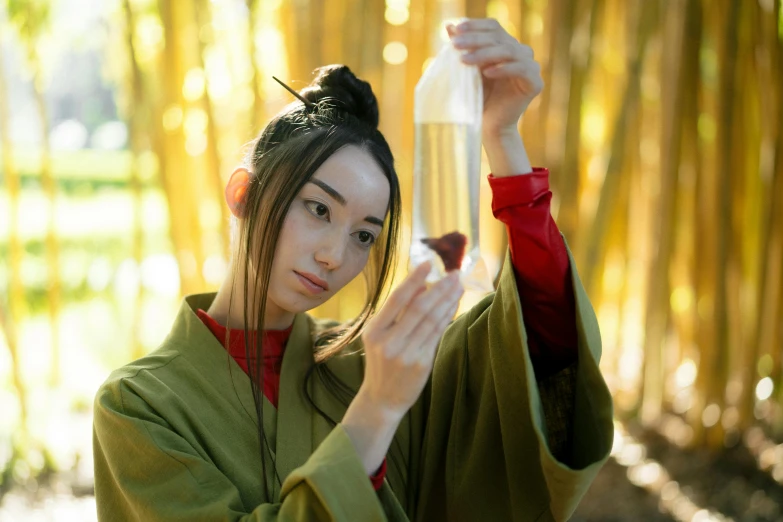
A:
<point x="331" y="253"/>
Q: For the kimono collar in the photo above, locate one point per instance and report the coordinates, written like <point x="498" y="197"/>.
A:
<point x="294" y="415"/>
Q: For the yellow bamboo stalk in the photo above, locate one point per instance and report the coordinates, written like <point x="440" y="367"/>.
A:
<point x="16" y="302"/>
<point x="258" y="113"/>
<point x="352" y="32"/>
<point x="558" y="89"/>
<point x="554" y="56"/>
<point x="369" y="55"/>
<point x="773" y="326"/>
<point x="704" y="245"/>
<point x="174" y="163"/>
<point x="476" y="8"/>
<point x="289" y="21"/>
<point x="626" y="241"/>
<point x="212" y="156"/>
<point x="531" y="124"/>
<point x="133" y="112"/>
<point x="30" y="17"/>
<point x="595" y="248"/>
<point x="334" y="16"/>
<point x="49" y="186"/>
<point x="764" y="36"/>
<point x="770" y="326"/>
<point x="581" y="43"/>
<point x="728" y="142"/>
<point x="685" y="322"/>
<point x="663" y="233"/>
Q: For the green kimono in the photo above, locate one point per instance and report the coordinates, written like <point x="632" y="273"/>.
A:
<point x="175" y="437"/>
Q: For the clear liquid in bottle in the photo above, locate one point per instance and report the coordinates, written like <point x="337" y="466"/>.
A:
<point x="448" y="104"/>
<point x="446" y="195"/>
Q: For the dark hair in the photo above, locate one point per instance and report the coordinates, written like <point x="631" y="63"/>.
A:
<point x="341" y="110"/>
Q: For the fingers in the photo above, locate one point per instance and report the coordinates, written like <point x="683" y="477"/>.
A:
<point x="490" y="47"/>
<point x="430" y="345"/>
<point x="402" y="296"/>
<point x="477" y="24"/>
<point x="531" y="73"/>
<point x="489" y="55"/>
<point x="469" y="41"/>
<point x="423" y="309"/>
<point x="423" y="342"/>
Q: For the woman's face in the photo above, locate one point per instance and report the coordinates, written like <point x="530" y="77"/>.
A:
<point x="327" y="234"/>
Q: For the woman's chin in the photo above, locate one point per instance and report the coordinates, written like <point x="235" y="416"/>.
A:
<point x="305" y="303"/>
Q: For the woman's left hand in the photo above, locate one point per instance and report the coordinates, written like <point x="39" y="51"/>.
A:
<point x="512" y="78"/>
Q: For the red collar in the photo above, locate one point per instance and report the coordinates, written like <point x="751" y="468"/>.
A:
<point x="274" y="340"/>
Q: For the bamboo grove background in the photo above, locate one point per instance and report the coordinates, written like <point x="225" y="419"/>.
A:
<point x="661" y="122"/>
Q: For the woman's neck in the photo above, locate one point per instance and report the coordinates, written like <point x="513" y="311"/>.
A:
<point x="228" y="308"/>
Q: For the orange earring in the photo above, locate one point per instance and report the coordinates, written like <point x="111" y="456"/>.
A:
<point x="239" y="194"/>
<point x="236" y="191"/>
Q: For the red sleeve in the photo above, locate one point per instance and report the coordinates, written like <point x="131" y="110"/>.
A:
<point x="377" y="478"/>
<point x="541" y="267"/>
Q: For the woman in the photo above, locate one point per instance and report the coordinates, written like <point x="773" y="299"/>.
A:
<point x="510" y="420"/>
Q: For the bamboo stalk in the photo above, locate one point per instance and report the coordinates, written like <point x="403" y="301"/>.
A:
<point x="370" y="55"/>
<point x="290" y="20"/>
<point x="581" y="61"/>
<point x="704" y="263"/>
<point x="255" y="77"/>
<point x="728" y="142"/>
<point x="548" y="74"/>
<point x="30" y="17"/>
<point x="177" y="182"/>
<point x="133" y="116"/>
<point x="717" y="365"/>
<point x="595" y="247"/>
<point x="16" y="301"/>
<point x="349" y="53"/>
<point x="773" y="313"/>
<point x="690" y="159"/>
<point x="765" y="41"/>
<point x="557" y="105"/>
<point x="663" y="233"/>
<point x="476" y="8"/>
<point x="49" y="186"/>
<point x="212" y="155"/>
<point x="332" y="44"/>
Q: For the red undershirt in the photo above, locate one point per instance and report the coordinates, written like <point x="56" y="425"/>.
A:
<point x="543" y="281"/>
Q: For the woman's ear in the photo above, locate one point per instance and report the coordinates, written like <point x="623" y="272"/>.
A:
<point x="236" y="191"/>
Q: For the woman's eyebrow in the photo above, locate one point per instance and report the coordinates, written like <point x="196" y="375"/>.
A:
<point x="341" y="200"/>
<point x="329" y="190"/>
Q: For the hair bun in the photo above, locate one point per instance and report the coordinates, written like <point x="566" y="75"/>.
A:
<point x="339" y="85"/>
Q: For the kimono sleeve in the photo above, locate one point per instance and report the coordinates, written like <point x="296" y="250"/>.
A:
<point x="145" y="471"/>
<point x="486" y="454"/>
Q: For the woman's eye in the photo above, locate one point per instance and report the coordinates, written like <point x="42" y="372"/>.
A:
<point x="366" y="238"/>
<point x="318" y="209"/>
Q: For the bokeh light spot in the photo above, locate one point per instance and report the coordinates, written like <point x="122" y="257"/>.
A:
<point x="193" y="86"/>
<point x="172" y="117"/>
<point x="397" y="15"/>
<point x="710" y="415"/>
<point x="764" y="389"/>
<point x="395" y="53"/>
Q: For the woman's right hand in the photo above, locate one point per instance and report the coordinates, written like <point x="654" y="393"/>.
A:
<point x="399" y="347"/>
<point x="401" y="340"/>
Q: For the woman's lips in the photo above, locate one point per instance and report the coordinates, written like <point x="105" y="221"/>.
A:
<point x="313" y="283"/>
